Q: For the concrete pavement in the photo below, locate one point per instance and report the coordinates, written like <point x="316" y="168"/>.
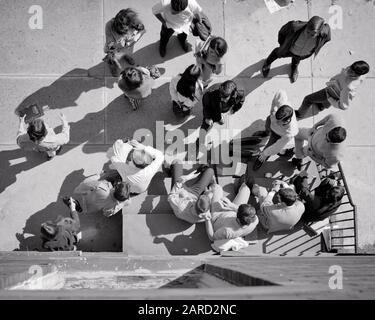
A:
<point x="59" y="66"/>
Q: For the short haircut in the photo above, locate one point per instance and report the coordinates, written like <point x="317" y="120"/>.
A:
<point x="360" y="67"/>
<point x="219" y="45"/>
<point x="187" y="83"/>
<point x="246" y="214"/>
<point x="335" y="194"/>
<point x="37" y="130"/>
<point x="337" y="135"/>
<point x="285" y="112"/>
<point x="227" y="88"/>
<point x="133" y="80"/>
<point x="122" y="191"/>
<point x="288" y="196"/>
<point x="127" y="18"/>
<point x="179" y="5"/>
<point x="203" y="204"/>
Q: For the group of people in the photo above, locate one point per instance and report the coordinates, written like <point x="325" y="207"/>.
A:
<point x="133" y="165"/>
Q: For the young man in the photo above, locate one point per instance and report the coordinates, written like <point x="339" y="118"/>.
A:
<point x="340" y="90"/>
<point x="321" y="202"/>
<point x="299" y="40"/>
<point x="281" y="126"/>
<point x="280" y="209"/>
<point x="230" y="220"/>
<point x="39" y="136"/>
<point x="137" y="164"/>
<point x="64" y="234"/>
<point x="190" y="203"/>
<point x="99" y="194"/>
<point x="324" y="142"/>
<point x="175" y="16"/>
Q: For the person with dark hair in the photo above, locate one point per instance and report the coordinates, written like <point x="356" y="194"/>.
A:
<point x="136" y="163"/>
<point x="190" y="203"/>
<point x="186" y="90"/>
<point x="175" y="16"/>
<point x="280" y="209"/>
<point x="218" y="100"/>
<point x="39" y="136"/>
<point x="281" y="126"/>
<point x="210" y="57"/>
<point x="339" y="92"/>
<point x="324" y="142"/>
<point x="99" y="194"/>
<point x="299" y="40"/>
<point x="64" y="233"/>
<point x="321" y="202"/>
<point x="137" y="84"/>
<point x="230" y="219"/>
<point x="122" y="32"/>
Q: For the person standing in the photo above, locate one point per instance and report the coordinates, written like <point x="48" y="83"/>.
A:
<point x="339" y="92"/>
<point x="325" y="142"/>
<point x="299" y="40"/>
<point x="175" y="16"/>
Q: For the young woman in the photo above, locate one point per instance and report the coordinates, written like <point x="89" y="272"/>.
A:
<point x="122" y="32"/>
<point x="39" y="136"/>
<point x="186" y="90"/>
<point x="209" y="57"/>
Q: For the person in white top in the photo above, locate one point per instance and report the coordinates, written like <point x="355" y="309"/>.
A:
<point x="281" y="126"/>
<point x="186" y="90"/>
<point x="280" y="209"/>
<point x="339" y="92"/>
<point x="137" y="164"/>
<point x="175" y="16"/>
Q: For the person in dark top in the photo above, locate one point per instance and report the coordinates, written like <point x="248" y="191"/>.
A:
<point x="218" y="100"/>
<point x="299" y="40"/>
<point x="321" y="202"/>
<point x="63" y="234"/>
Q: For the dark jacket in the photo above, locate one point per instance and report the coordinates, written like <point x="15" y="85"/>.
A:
<point x="289" y="33"/>
<point x="213" y="108"/>
<point x="64" y="240"/>
<point x="314" y="212"/>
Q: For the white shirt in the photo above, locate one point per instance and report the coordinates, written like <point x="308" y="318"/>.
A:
<point x="139" y="179"/>
<point x="178" y="22"/>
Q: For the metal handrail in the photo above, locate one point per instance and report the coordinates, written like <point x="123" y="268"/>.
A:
<point x="354" y="210"/>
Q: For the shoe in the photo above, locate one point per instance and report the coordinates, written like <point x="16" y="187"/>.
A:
<point x="66" y="200"/>
<point x="58" y="151"/>
<point x="287" y="153"/>
<point x="294" y="74"/>
<point x="298" y="115"/>
<point x="298" y="163"/>
<point x="221" y="122"/>
<point x="266" y="69"/>
<point x="162" y="50"/>
<point x="258" y="163"/>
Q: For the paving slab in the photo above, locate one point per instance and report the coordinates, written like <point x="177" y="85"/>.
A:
<point x="41" y="187"/>
<point x="71" y="37"/>
<point x="359" y="118"/>
<point x="80" y="99"/>
<point x="146" y="51"/>
<point x="359" y="171"/>
<point x="251" y="32"/>
<point x="259" y="94"/>
<point x="352" y="40"/>
<point x="163" y="234"/>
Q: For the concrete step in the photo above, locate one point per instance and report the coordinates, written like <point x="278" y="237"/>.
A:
<point x="163" y="235"/>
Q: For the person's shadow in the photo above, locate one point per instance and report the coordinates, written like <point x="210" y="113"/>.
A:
<point x="99" y="233"/>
